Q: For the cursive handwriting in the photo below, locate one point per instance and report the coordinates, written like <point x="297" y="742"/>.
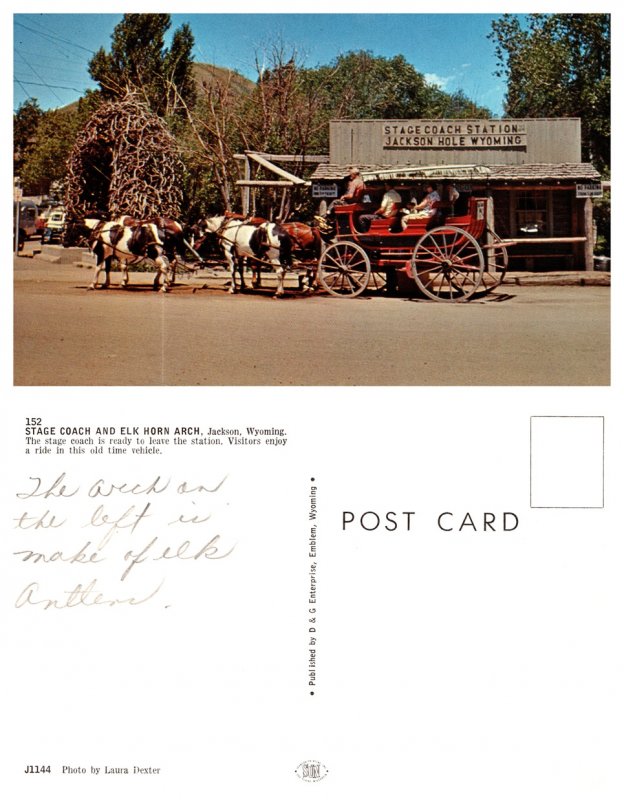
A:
<point x="80" y="595"/>
<point x="184" y="488"/>
<point x="45" y="520"/>
<point x="100" y="518"/>
<point x="103" y="488"/>
<point x="109" y="527"/>
<point x="209" y="550"/>
<point x="57" y="489"/>
<point x="80" y="557"/>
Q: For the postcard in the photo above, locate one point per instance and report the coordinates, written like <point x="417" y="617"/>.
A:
<point x="358" y="539"/>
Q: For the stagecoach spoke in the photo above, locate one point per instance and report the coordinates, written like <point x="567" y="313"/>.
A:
<point x="434" y="257"/>
<point x="337" y="280"/>
<point x="440" y="253"/>
<point x="457" y="251"/>
<point x="377" y="281"/>
<point x="490" y="281"/>
<point x="459" y="282"/>
<point x="433" y="276"/>
<point x="440" y="286"/>
<point x="332" y="262"/>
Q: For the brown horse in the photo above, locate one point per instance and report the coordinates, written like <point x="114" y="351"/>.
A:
<point x="306" y="239"/>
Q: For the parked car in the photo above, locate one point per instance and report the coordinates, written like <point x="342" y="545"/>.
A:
<point x="55" y="225"/>
<point x="28" y="213"/>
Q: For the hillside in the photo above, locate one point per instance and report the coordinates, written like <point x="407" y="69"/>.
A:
<point x="203" y="74"/>
<point x="209" y="73"/>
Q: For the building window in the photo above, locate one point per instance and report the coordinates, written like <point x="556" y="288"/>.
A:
<point x="532" y="213"/>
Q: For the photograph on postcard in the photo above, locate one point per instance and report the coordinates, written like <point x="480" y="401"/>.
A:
<point x="339" y="200"/>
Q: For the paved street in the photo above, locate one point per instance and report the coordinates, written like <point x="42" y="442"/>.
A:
<point x="522" y="335"/>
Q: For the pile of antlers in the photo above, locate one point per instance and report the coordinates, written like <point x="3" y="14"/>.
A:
<point x="124" y="161"/>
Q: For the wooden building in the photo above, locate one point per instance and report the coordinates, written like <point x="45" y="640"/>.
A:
<point x="531" y="168"/>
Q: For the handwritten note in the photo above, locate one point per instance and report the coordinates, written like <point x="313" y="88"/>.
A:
<point x="89" y="543"/>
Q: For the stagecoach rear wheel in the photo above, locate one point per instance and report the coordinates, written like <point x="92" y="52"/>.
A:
<point x="496" y="262"/>
<point x="447" y="264"/>
<point x="344" y="269"/>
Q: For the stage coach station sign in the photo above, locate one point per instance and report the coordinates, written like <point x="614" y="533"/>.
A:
<point x="454" y="133"/>
<point x="455" y="141"/>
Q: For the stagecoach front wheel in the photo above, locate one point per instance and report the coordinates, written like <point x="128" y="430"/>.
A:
<point x="447" y="264"/>
<point x="344" y="269"/>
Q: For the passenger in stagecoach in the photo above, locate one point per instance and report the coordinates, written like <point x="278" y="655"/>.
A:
<point x="427" y="206"/>
<point x="452" y="195"/>
<point x="446" y="206"/>
<point x="388" y="209"/>
<point x="409" y="212"/>
<point x="458" y="201"/>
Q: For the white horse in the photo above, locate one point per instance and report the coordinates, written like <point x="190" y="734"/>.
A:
<point x="239" y="240"/>
<point x="129" y="244"/>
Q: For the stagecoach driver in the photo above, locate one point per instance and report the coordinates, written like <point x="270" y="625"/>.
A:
<point x="389" y="208"/>
<point x="355" y="189"/>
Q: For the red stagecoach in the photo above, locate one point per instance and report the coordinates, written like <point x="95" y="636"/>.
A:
<point x="451" y="258"/>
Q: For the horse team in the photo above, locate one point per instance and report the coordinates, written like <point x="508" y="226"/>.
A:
<point x="162" y="240"/>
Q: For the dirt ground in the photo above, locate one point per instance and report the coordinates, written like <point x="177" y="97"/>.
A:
<point x="198" y="334"/>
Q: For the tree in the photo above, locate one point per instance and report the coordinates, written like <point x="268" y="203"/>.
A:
<point x="44" y="161"/>
<point x="139" y="62"/>
<point x="212" y="137"/>
<point x="457" y="105"/>
<point x="25" y="123"/>
<point x="290" y="106"/>
<point x="177" y="71"/>
<point x="559" y="65"/>
<point x="359" y="85"/>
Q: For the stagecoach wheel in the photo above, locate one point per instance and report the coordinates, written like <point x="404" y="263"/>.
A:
<point x="447" y="264"/>
<point x="344" y="269"/>
<point x="496" y="262"/>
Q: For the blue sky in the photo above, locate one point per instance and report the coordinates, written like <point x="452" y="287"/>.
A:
<point x="51" y="51"/>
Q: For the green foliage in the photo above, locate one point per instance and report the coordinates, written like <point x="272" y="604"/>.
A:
<point x="287" y="111"/>
<point x="359" y="85"/>
<point x="25" y="123"/>
<point x="50" y="136"/>
<point x="292" y="106"/>
<point x="559" y="65"/>
<point x="453" y="106"/>
<point x="46" y="161"/>
<point x="177" y="69"/>
<point x="138" y="61"/>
